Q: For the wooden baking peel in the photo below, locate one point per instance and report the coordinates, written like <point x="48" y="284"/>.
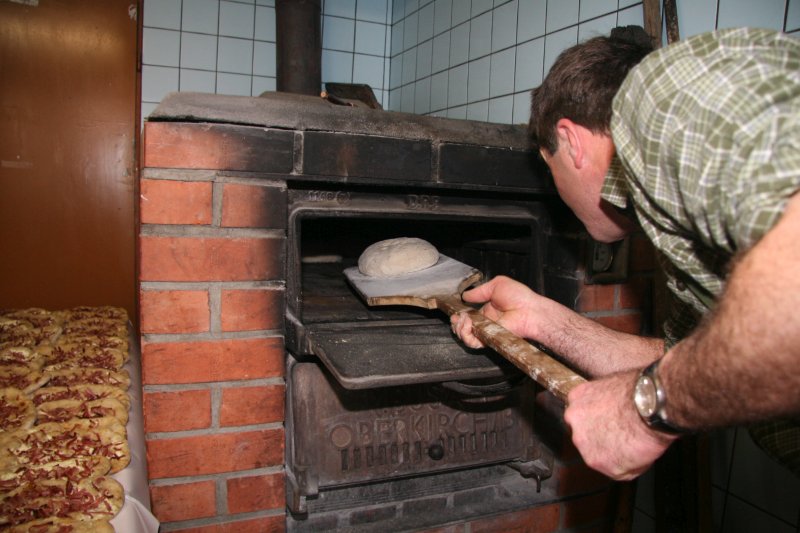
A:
<point x="440" y="287"/>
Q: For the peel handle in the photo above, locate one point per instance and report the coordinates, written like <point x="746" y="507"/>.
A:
<point x="546" y="371"/>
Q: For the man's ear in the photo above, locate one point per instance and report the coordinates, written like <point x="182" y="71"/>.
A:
<point x="569" y="138"/>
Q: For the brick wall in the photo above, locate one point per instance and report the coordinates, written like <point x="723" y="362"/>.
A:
<point x="211" y="301"/>
<point x="212" y="282"/>
<point x="627" y="306"/>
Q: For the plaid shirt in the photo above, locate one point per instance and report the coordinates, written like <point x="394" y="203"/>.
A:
<point x="707" y="133"/>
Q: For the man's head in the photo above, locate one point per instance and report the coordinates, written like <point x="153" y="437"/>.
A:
<point x="571" y="119"/>
<point x="582" y="83"/>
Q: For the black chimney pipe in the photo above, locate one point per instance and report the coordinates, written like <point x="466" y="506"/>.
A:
<point x="298" y="46"/>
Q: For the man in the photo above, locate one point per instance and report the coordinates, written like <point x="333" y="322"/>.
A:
<point x="700" y="143"/>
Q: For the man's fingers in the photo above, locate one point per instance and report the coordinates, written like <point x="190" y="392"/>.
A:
<point x="461" y="325"/>
<point x="481" y="293"/>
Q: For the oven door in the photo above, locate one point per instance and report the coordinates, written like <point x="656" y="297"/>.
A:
<point x="367" y="347"/>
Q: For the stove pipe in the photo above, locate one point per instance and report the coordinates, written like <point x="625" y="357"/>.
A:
<point x="298" y="46"/>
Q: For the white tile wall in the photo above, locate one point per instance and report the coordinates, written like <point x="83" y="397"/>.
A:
<point x="228" y="46"/>
<point x="535" y="32"/>
<point x="356" y="38"/>
<point x="215" y="46"/>
<point x="515" y="40"/>
<point x="461" y="59"/>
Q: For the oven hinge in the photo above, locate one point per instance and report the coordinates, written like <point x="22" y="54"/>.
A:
<point x="539" y="465"/>
<point x="299" y="486"/>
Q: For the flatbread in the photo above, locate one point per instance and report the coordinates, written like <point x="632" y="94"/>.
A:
<point x="75" y="469"/>
<point x="396" y="257"/>
<point x="67" y="377"/>
<point x="16" y="410"/>
<point x="99" y="498"/>
<point x="63" y="525"/>
<point x="86" y="392"/>
<point x="64" y="410"/>
<point x="26" y="378"/>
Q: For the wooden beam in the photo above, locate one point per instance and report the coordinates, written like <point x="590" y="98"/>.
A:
<point x="671" y="20"/>
<point x="652" y="20"/>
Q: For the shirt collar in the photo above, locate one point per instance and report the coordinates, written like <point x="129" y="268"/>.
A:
<point x="615" y="188"/>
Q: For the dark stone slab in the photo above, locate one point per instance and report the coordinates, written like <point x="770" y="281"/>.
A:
<point x="379" y="158"/>
<point x="492" y="166"/>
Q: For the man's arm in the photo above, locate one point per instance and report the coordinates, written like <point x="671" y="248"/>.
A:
<point x="593" y="349"/>
<point x="740" y="366"/>
<point x="743" y="364"/>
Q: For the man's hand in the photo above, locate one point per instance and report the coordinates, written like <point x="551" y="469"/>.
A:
<point x="607" y="430"/>
<point x="588" y="346"/>
<point x="509" y="303"/>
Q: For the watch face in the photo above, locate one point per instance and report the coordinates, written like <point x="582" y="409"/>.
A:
<point x="645" y="396"/>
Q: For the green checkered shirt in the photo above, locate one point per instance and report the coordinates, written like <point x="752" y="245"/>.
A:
<point x="707" y="133"/>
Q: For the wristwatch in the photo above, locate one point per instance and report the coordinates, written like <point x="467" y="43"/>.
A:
<point x="651" y="401"/>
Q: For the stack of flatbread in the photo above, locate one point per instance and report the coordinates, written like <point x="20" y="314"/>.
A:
<point x="63" y="409"/>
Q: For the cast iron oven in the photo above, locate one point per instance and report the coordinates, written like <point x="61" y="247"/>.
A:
<point x="391" y="424"/>
<point x="377" y="394"/>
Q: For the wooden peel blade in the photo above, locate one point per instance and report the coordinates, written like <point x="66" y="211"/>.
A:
<point x="440" y="287"/>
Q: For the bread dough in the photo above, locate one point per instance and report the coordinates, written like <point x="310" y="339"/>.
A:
<point x="395" y="257"/>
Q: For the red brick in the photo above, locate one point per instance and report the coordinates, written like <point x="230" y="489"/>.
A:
<point x="533" y="520"/>
<point x="177" y="411"/>
<point x="636" y="294"/>
<point x="593" y="508"/>
<point x="172" y="146"/>
<point x="210" y="259"/>
<point x="217" y="146"/>
<point x="210" y="361"/>
<point x="627" y="323"/>
<point x="214" y="454"/>
<point x="252" y="206"/>
<point x="175" y="202"/>
<point x="242" y="406"/>
<point x="174" y="311"/>
<point x="252" y="309"/>
<point x="596" y="298"/>
<point x="183" y="502"/>
<point x="267" y="524"/>
<point x="256" y="493"/>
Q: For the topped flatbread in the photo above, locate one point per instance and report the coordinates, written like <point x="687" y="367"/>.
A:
<point x="73" y="469"/>
<point x="16" y="410"/>
<point x="99" y="498"/>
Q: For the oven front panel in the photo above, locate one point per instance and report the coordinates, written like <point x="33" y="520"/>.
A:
<point x="344" y="437"/>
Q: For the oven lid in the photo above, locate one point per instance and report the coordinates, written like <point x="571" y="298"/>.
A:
<point x="363" y="355"/>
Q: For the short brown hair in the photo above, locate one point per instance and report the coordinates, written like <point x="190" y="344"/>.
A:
<point x="582" y="83"/>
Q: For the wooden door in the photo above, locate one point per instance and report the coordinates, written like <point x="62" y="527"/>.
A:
<point x="68" y="123"/>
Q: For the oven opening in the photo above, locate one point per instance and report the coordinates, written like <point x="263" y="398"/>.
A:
<point x="367" y="347"/>
<point x="329" y="245"/>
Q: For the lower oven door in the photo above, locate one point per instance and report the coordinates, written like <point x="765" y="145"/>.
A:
<point x="340" y="437"/>
<point x="365" y="356"/>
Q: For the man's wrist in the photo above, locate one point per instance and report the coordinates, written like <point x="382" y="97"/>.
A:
<point x="650" y="400"/>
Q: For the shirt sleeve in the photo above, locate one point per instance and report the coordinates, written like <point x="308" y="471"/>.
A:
<point x="768" y="175"/>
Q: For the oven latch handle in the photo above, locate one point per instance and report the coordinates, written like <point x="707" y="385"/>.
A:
<point x="546" y="371"/>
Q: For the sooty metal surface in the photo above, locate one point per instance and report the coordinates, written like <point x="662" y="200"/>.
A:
<point x="364" y="356"/>
<point x="342" y="437"/>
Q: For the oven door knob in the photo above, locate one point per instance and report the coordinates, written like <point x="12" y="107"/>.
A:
<point x="436" y="451"/>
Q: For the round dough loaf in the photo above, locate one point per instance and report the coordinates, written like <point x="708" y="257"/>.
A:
<point x="395" y="257"/>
